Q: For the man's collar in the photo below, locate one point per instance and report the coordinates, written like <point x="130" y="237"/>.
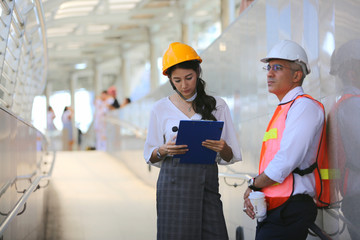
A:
<point x="292" y="94"/>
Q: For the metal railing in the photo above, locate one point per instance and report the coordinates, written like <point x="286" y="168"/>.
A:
<point x="138" y="132"/>
<point x="21" y="203"/>
<point x="23" y="55"/>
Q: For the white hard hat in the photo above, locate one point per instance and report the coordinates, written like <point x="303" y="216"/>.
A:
<point x="291" y="51"/>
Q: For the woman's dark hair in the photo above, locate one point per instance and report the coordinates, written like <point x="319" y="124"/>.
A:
<point x="203" y="104"/>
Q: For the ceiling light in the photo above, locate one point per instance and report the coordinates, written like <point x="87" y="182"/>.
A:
<point x="80" y="66"/>
<point x="76" y="4"/>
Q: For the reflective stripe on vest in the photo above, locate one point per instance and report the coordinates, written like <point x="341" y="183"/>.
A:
<point x="271" y="134"/>
<point x="278" y="194"/>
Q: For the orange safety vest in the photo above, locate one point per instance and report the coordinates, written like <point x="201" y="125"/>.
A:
<point x="279" y="193"/>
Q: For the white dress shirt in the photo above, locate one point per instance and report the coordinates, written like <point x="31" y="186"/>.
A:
<point x="165" y="115"/>
<point x="299" y="144"/>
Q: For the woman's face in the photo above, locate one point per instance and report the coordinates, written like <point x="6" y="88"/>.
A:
<point x="185" y="81"/>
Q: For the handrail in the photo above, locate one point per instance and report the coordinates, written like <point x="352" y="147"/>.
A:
<point x="139" y="133"/>
<point x="243" y="176"/>
<point x="349" y="224"/>
<point x="49" y="174"/>
<point x="9" y="183"/>
<point x="19" y="204"/>
<point x="319" y="232"/>
<point x="24" y="197"/>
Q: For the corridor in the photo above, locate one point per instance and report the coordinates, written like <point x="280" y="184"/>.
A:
<point x="94" y="196"/>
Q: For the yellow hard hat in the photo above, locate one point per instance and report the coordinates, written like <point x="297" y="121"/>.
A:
<point x="177" y="53"/>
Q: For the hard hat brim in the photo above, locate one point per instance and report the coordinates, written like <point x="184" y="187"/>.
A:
<point x="306" y="68"/>
<point x="165" y="70"/>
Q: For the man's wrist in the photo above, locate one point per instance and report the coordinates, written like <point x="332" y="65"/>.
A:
<point x="251" y="185"/>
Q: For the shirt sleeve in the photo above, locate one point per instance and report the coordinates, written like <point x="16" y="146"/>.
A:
<point x="228" y="133"/>
<point x="155" y="137"/>
<point x="300" y="139"/>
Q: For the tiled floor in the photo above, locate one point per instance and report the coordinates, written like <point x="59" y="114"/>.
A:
<point x="93" y="196"/>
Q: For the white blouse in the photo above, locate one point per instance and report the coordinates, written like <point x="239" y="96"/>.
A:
<point x="165" y="115"/>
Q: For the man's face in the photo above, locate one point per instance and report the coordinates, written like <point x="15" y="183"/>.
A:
<point x="282" y="79"/>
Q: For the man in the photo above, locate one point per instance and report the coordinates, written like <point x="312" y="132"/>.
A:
<point x="289" y="150"/>
<point x="115" y="103"/>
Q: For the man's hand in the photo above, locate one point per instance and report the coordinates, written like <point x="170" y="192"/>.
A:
<point x="248" y="207"/>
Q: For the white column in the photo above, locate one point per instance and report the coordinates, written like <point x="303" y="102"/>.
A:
<point x="187" y="24"/>
<point x="227" y="13"/>
<point x="153" y="56"/>
<point x="96" y="81"/>
<point x="124" y="69"/>
<point x="73" y="84"/>
<point x="48" y="91"/>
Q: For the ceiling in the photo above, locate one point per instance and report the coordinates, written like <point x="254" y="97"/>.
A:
<point x="93" y="31"/>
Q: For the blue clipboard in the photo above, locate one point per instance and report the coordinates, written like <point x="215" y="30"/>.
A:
<point x="193" y="133"/>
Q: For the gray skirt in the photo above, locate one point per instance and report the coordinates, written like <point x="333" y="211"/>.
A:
<point x="188" y="202"/>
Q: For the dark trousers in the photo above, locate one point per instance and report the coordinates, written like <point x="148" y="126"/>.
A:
<point x="289" y="221"/>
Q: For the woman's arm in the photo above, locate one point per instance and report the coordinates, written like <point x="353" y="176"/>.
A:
<point x="168" y="149"/>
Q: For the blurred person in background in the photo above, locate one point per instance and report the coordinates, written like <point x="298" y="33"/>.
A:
<point x="66" y="119"/>
<point x="102" y="107"/>
<point x="112" y="92"/>
<point x="50" y="120"/>
<point x="125" y="102"/>
<point x="344" y="132"/>
<point x="244" y="5"/>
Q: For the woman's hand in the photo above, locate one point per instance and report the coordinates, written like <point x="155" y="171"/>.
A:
<point x="215" y="145"/>
<point x="168" y="149"/>
<point x="172" y="149"/>
<point x="219" y="146"/>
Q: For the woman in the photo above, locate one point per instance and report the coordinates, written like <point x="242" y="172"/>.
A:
<point x="50" y="120"/>
<point x="188" y="199"/>
<point x="66" y="119"/>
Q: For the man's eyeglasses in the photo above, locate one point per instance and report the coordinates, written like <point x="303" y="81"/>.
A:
<point x="276" y="68"/>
